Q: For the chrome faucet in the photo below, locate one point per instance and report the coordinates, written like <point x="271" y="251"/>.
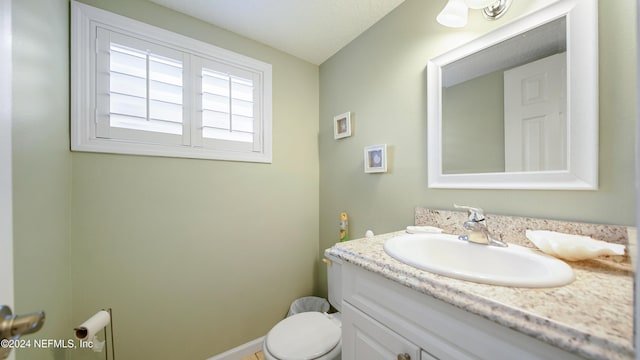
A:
<point x="476" y="226"/>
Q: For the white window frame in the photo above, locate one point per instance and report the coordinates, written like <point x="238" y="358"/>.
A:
<point x="85" y="114"/>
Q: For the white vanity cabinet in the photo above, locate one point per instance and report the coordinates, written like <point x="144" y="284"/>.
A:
<point x="383" y="319"/>
<point x="369" y="339"/>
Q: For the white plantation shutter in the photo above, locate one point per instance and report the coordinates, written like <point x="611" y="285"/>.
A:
<point x="138" y="89"/>
<point x="227" y="106"/>
<point x="229" y="110"/>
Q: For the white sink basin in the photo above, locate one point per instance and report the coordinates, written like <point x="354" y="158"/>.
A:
<point x="446" y="255"/>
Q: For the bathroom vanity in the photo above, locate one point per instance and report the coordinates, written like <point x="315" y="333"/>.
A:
<point x="392" y="310"/>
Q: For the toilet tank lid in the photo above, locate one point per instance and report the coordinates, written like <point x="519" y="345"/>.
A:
<point x="303" y="336"/>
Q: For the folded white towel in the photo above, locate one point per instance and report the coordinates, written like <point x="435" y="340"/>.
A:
<point x="423" y="229"/>
<point x="572" y="247"/>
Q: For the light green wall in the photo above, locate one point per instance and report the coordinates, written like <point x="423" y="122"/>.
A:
<point x="41" y="168"/>
<point x="381" y="77"/>
<point x="196" y="256"/>
<point x="474" y="126"/>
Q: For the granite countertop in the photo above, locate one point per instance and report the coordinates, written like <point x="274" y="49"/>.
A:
<point x="591" y="317"/>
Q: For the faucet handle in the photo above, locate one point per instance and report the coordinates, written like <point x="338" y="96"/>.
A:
<point x="475" y="214"/>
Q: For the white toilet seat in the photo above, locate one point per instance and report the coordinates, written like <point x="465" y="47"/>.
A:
<point x="305" y="336"/>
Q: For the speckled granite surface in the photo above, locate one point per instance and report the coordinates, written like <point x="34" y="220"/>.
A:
<point x="591" y="317"/>
<point x="512" y="228"/>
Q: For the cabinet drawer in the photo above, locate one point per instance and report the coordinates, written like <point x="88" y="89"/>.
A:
<point x="365" y="338"/>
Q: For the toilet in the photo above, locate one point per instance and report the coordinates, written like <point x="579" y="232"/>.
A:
<point x="310" y="335"/>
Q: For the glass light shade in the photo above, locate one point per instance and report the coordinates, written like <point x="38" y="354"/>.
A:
<point x="478" y="4"/>
<point x="454" y="14"/>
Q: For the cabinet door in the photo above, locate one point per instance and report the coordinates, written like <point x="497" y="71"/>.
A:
<point x="427" y="356"/>
<point x="366" y="339"/>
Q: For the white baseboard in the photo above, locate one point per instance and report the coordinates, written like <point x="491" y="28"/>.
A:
<point x="241" y="351"/>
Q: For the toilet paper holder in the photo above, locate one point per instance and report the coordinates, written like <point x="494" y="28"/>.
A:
<point x="89" y="329"/>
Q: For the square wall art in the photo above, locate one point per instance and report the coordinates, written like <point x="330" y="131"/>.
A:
<point x="342" y="126"/>
<point x="375" y="158"/>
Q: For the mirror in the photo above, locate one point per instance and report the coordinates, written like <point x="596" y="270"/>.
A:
<point x="486" y="110"/>
<point x="518" y="108"/>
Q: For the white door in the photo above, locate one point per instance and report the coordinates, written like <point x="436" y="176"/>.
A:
<point x="535" y="115"/>
<point x="6" y="234"/>
<point x="6" y="183"/>
<point x="6" y="219"/>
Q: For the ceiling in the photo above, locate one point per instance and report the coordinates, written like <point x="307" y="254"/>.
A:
<point x="312" y="30"/>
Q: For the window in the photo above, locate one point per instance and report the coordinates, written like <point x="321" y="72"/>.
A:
<point x="138" y="89"/>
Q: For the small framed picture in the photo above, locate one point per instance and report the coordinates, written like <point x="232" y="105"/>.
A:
<point x="342" y="125"/>
<point x="375" y="158"/>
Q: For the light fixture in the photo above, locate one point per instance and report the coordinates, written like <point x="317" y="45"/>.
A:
<point x="478" y="4"/>
<point x="495" y="10"/>
<point x="455" y="12"/>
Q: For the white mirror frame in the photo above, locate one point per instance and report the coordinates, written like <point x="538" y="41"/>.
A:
<point x="582" y="99"/>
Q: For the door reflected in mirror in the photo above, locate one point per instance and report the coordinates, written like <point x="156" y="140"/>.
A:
<point x="514" y="116"/>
